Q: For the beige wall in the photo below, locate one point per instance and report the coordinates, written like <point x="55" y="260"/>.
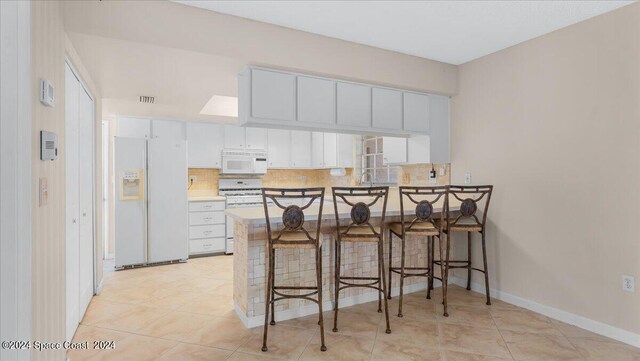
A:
<point x="554" y="124"/>
<point x="49" y="48"/>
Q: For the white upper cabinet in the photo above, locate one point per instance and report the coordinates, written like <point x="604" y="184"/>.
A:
<point x="234" y="137"/>
<point x="128" y="127"/>
<point x="416" y="112"/>
<point x="279" y="148"/>
<point x="330" y="150"/>
<point x="418" y="150"/>
<point x="204" y="144"/>
<point x="273" y="95"/>
<point x="439" y="129"/>
<point x="168" y="129"/>
<point x="316" y="100"/>
<point x="256" y="138"/>
<point x="386" y="108"/>
<point x="317" y="149"/>
<point x="354" y="105"/>
<point x="345" y="151"/>
<point x="300" y="149"/>
<point x="394" y="150"/>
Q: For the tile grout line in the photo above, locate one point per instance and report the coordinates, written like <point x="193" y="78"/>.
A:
<point x="506" y="344"/>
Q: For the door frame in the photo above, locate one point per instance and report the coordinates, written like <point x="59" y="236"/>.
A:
<point x="85" y="88"/>
<point x="16" y="142"/>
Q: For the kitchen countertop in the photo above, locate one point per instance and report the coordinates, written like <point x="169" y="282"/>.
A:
<point x="200" y="195"/>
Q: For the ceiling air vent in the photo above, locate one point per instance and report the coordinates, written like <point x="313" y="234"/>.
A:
<point x="147" y="99"/>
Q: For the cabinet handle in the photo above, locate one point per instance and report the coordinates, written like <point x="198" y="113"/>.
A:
<point x="207" y="219"/>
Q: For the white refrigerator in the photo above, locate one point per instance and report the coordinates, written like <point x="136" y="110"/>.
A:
<point x="151" y="206"/>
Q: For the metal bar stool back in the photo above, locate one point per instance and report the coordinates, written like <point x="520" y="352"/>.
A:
<point x="360" y="229"/>
<point x="420" y="221"/>
<point x="293" y="234"/>
<point x="469" y="217"/>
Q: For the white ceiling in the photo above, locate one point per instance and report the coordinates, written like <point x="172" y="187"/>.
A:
<point x="449" y="31"/>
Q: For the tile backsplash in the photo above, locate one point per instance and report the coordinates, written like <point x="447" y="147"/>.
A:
<point x="417" y="174"/>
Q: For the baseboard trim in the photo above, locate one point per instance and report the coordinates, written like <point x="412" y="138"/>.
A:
<point x="255" y="321"/>
<point x="588" y="324"/>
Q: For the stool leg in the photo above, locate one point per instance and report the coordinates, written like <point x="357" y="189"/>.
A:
<point x="445" y="273"/>
<point x="384" y="284"/>
<point x="390" y="264"/>
<point x="486" y="270"/>
<point x="267" y="301"/>
<point x="402" y="259"/>
<point x="273" y="286"/>
<point x="380" y="275"/>
<point x="469" y="259"/>
<point x="430" y="245"/>
<point x="337" y="285"/>
<point x="319" y="285"/>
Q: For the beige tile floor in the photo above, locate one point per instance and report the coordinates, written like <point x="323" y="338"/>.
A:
<point x="185" y="312"/>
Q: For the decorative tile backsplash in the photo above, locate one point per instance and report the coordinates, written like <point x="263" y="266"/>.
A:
<point x="417" y="174"/>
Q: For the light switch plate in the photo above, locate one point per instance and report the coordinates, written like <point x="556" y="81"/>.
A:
<point x="467" y="178"/>
<point x="628" y="283"/>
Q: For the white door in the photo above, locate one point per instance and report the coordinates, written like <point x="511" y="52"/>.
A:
<point x="168" y="129"/>
<point x="300" y="149"/>
<point x="278" y="148"/>
<point x="72" y="266"/>
<point x="317" y="149"/>
<point x="86" y="160"/>
<point x="256" y="138"/>
<point x="273" y="95"/>
<point x="316" y="100"/>
<point x="105" y="188"/>
<point x="204" y="145"/>
<point x="394" y="150"/>
<point x="234" y="137"/>
<point x="354" y="105"/>
<point x="345" y="150"/>
<point x="130" y="230"/>
<point x="128" y="127"/>
<point x="330" y="150"/>
<point x="386" y="108"/>
<point x="168" y="235"/>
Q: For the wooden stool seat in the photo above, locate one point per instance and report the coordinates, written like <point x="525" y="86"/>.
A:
<point x="295" y="239"/>
<point x="422" y="229"/>
<point x="362" y="233"/>
<point x="463" y="225"/>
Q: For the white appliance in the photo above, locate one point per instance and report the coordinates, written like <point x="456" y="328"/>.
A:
<point x="151" y="206"/>
<point x="238" y="161"/>
<point x="239" y="193"/>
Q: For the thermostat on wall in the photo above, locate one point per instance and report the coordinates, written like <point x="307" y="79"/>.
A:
<point x="48" y="145"/>
<point x="46" y="93"/>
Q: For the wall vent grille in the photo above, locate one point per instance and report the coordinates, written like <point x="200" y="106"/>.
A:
<point x="147" y="99"/>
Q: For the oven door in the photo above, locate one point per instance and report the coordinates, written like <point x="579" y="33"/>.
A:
<point x="237" y="164"/>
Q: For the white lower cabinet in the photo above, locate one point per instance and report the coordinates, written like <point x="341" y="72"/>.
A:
<point x="206" y="227"/>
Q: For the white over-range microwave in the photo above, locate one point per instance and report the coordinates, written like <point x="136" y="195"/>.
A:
<point x="238" y="161"/>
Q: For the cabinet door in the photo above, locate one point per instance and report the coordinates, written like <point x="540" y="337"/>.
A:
<point x="234" y="137"/>
<point x="394" y="150"/>
<point x="300" y="149"/>
<point x="439" y="129"/>
<point x="134" y="127"/>
<point x="256" y="138"/>
<point x="316" y="100"/>
<point x="330" y="150"/>
<point x="204" y="145"/>
<point x="168" y="129"/>
<point x="345" y="150"/>
<point x="278" y="148"/>
<point x="354" y="105"/>
<point x="272" y="95"/>
<point x="317" y="149"/>
<point x="386" y="108"/>
<point x="418" y="149"/>
<point x="416" y="112"/>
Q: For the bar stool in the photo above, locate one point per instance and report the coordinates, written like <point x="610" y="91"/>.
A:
<point x="360" y="229"/>
<point x="423" y="224"/>
<point x="293" y="235"/>
<point x="465" y="220"/>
